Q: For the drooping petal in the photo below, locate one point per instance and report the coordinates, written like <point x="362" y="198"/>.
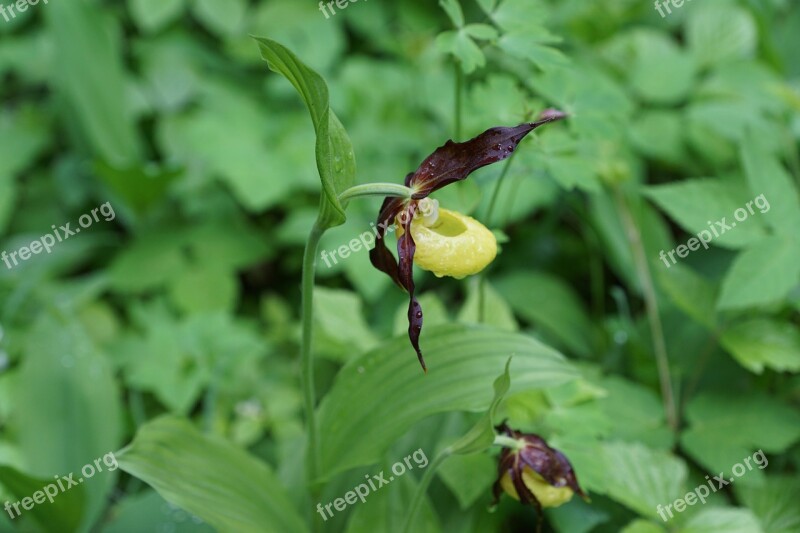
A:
<point x="455" y="161"/>
<point x="405" y="255"/>
<point x="380" y="256"/>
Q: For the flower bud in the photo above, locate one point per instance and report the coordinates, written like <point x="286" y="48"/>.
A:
<point x="534" y="473"/>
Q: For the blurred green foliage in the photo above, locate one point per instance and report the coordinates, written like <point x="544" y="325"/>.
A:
<point x="185" y="306"/>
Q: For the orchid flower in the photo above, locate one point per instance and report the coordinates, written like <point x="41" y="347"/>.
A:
<point x="534" y="473"/>
<point x="445" y="242"/>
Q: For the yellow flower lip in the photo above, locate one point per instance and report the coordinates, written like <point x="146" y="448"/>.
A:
<point x="546" y="494"/>
<point x="454" y="245"/>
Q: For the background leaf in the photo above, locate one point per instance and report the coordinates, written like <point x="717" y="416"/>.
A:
<point x="335" y="157"/>
<point x="459" y="359"/>
<point x="209" y="477"/>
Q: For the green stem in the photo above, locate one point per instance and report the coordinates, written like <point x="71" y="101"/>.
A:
<point x="306" y="357"/>
<point x="422" y="489"/>
<point x="458" y="106"/>
<point x="376" y="189"/>
<point x="651" y="305"/>
<point x="508" y="442"/>
<point x="497" y="185"/>
<point x="489" y="212"/>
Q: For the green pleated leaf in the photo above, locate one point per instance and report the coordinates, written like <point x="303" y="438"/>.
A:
<point x="717" y="520"/>
<point x="209" y="477"/>
<point x="481" y="436"/>
<point x="774" y="503"/>
<point x="380" y="395"/>
<point x="63" y="513"/>
<point x="762" y="342"/>
<point x="93" y="89"/>
<point x="335" y="158"/>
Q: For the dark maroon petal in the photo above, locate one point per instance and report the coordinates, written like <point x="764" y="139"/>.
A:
<point x="405" y="255"/>
<point x="380" y="256"/>
<point x="455" y="161"/>
<point x="549" y="463"/>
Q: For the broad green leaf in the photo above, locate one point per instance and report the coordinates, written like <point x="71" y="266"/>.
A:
<point x="523" y="15"/>
<point x="93" y="90"/>
<point x="209" y="477"/>
<point x="148" y="511"/>
<point x="487" y="5"/>
<point x="320" y="41"/>
<point x="762" y="342"/>
<point x="175" y="360"/>
<point x="383" y="393"/>
<point x="577" y="516"/>
<point x="697" y="205"/>
<point x="225" y="21"/>
<point x="719" y="520"/>
<point x="340" y="330"/>
<point x="335" y="158"/>
<point x="453" y="10"/>
<point x="152" y="15"/>
<point x="25" y="134"/>
<point x="463" y="48"/>
<point x="549" y="303"/>
<point x="239" y="160"/>
<point x="149" y="262"/>
<point x="387" y="509"/>
<point x="63" y="513"/>
<point x="690" y="292"/>
<point x="481" y="31"/>
<point x="643" y="526"/>
<point x="67" y="408"/>
<point x="660" y="135"/>
<point x="141" y="187"/>
<point x="724" y="430"/>
<point x="532" y="45"/>
<point x="481" y="436"/>
<point x="205" y="287"/>
<point x="777" y="199"/>
<point x="662" y="72"/>
<point x="641" y="478"/>
<point x="774" y="503"/>
<point x="469" y="477"/>
<point x="718" y="32"/>
<point x="762" y="274"/>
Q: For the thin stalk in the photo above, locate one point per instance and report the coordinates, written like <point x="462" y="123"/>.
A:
<point x="508" y="442"/>
<point x="458" y="100"/>
<point x="306" y="357"/>
<point x="422" y="489"/>
<point x="496" y="192"/>
<point x="376" y="189"/>
<point x="489" y="212"/>
<point x="651" y="305"/>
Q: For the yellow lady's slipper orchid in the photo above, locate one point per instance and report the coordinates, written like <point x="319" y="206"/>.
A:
<point x="453" y="245"/>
